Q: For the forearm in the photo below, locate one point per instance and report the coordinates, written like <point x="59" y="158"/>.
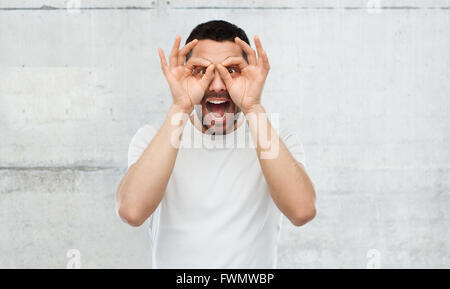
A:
<point x="290" y="187"/>
<point x="144" y="185"/>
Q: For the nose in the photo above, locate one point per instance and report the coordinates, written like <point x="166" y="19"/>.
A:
<point x="217" y="84"/>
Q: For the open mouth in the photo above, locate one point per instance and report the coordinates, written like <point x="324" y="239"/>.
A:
<point x="218" y="106"/>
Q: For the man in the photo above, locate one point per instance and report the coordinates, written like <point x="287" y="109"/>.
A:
<point x="216" y="203"/>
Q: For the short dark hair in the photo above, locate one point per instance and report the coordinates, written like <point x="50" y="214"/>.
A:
<point x="217" y="30"/>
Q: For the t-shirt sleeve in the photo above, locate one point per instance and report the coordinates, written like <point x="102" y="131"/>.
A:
<point x="294" y="145"/>
<point x="139" y="143"/>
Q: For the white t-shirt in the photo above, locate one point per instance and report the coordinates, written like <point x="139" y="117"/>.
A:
<point x="217" y="211"/>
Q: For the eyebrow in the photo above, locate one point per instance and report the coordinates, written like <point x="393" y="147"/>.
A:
<point x="222" y="60"/>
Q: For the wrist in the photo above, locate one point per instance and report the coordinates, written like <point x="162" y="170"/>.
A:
<point x="257" y="108"/>
<point x="176" y="108"/>
<point x="176" y="114"/>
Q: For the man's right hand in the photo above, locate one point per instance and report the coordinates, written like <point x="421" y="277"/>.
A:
<point x="139" y="192"/>
<point x="188" y="82"/>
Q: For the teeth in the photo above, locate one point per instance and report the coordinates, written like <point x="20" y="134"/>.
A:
<point x="217" y="101"/>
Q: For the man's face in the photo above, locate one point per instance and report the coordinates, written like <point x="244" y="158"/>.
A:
<point x="218" y="111"/>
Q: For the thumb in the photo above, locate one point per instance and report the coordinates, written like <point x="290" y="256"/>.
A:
<point x="225" y="75"/>
<point x="207" y="78"/>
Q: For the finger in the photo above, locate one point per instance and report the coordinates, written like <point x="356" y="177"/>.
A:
<point x="163" y="61"/>
<point x="185" y="50"/>
<point x="226" y="77"/>
<point x="266" y="64"/>
<point x="208" y="77"/>
<point x="251" y="54"/>
<point x="173" y="60"/>
<point x="259" y="49"/>
<point x="196" y="61"/>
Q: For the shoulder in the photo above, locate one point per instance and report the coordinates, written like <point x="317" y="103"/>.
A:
<point x="146" y="130"/>
<point x="139" y="142"/>
<point x="144" y="133"/>
<point x="288" y="133"/>
<point x="292" y="141"/>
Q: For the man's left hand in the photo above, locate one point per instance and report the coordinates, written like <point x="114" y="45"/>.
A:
<point x="245" y="81"/>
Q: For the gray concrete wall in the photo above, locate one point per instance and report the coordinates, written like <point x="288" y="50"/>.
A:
<point x="367" y="89"/>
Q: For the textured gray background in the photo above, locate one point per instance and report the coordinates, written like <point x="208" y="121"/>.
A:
<point x="367" y="90"/>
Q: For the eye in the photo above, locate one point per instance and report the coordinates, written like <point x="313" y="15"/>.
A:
<point x="233" y="70"/>
<point x="199" y="70"/>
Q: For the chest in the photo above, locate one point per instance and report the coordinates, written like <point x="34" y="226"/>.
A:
<point x="211" y="179"/>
